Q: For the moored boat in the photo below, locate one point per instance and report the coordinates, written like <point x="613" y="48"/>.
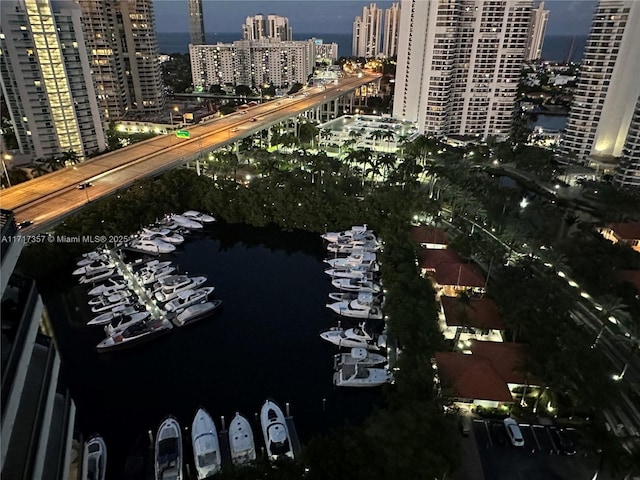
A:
<point x="135" y="334"/>
<point x="241" y="443"/>
<point x="356" y="285"/>
<point x="188" y="298"/>
<point x="94" y="460"/>
<point x="185" y="222"/>
<point x="110" y="287"/>
<point x="196" y="312"/>
<point x="358" y="355"/>
<point x="357" y="232"/>
<point x="170" y="287"/>
<point x="356" y="337"/>
<point x="155" y="245"/>
<point x="97" y="275"/>
<point x="355" y="258"/>
<point x="115" y="312"/>
<point x="105" y="305"/>
<point x="275" y="431"/>
<point x="168" y="451"/>
<point x="356" y="375"/>
<point x="199" y="216"/>
<point x="206" y="448"/>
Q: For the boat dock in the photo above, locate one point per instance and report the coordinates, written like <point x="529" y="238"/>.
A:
<point x="127" y="272"/>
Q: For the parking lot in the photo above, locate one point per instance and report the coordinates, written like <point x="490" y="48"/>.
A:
<point x="541" y="457"/>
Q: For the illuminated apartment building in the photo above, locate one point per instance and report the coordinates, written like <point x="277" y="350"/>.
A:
<point x="367" y="32"/>
<point x="537" y="30"/>
<point x="46" y="79"/>
<point x="608" y="86"/>
<point x="628" y="170"/>
<point x="196" y="22"/>
<point x="261" y="27"/>
<point x="459" y="63"/>
<point x="391" y="28"/>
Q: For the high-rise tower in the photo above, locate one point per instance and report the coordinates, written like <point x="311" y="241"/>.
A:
<point x="628" y="170"/>
<point x="537" y="30"/>
<point x="459" y="63"/>
<point x="260" y="27"/>
<point x="608" y="85"/>
<point x="391" y="28"/>
<point x="196" y="22"/>
<point x="367" y="32"/>
<point x="46" y="79"/>
<point x="121" y="38"/>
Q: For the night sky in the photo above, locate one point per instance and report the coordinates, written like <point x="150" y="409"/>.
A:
<point x="567" y="17"/>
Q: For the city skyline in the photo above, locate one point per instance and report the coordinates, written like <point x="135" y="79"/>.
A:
<point x="567" y="17"/>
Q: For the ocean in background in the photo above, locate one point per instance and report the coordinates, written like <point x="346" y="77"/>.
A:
<point x="178" y="42"/>
<point x="556" y="47"/>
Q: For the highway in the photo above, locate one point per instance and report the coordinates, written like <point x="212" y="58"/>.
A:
<point x="48" y="199"/>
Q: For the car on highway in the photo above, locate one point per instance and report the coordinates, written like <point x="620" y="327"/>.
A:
<point x="235" y="129"/>
<point x="563" y="442"/>
<point x="24" y="224"/>
<point x="513" y="432"/>
<point x="84" y="185"/>
<point x="254" y="119"/>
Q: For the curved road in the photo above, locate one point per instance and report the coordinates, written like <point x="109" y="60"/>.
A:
<point x="47" y="199"/>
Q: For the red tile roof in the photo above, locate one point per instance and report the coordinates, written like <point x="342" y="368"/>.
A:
<point x="506" y="359"/>
<point x="631" y="276"/>
<point x="626" y="231"/>
<point x="430" y="258"/>
<point x="459" y="275"/>
<point x="471" y="376"/>
<point x="481" y="313"/>
<point x="428" y="234"/>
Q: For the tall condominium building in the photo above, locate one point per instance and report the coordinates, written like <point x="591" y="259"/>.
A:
<point x="260" y="27"/>
<point x="628" y="170"/>
<point x="46" y="79"/>
<point x="367" y="32"/>
<point x="122" y="41"/>
<point x="252" y="63"/>
<point x="537" y="30"/>
<point x="459" y="63"/>
<point x="38" y="414"/>
<point x="196" y="22"/>
<point x="391" y="28"/>
<point x="604" y="98"/>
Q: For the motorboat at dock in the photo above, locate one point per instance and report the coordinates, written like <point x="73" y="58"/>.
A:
<point x="275" y="431"/>
<point x="356" y="337"/>
<point x="171" y="286"/>
<point x="188" y="298"/>
<point x="119" y="317"/>
<point x="357" y="232"/>
<point x="97" y="275"/>
<point x="155" y="246"/>
<point x="206" y="448"/>
<point x="356" y="285"/>
<point x="360" y="356"/>
<point x="96" y="265"/>
<point x="241" y="443"/>
<point x="92" y="256"/>
<point x="134" y="334"/>
<point x="108" y="288"/>
<point x="147" y="277"/>
<point x="363" y="307"/>
<point x="360" y="271"/>
<point x="196" y="312"/>
<point x="168" y="450"/>
<point x="354" y="246"/>
<point x="106" y="305"/>
<point x="185" y="222"/>
<point x="354" y="259"/>
<point x="356" y="375"/>
<point x="198" y="216"/>
<point x="94" y="460"/>
<point x="112" y="298"/>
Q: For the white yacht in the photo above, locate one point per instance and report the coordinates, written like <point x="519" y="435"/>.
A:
<point x="114" y="297"/>
<point x="163" y="234"/>
<point x="93" y="256"/>
<point x="147" y="277"/>
<point x="359" y="271"/>
<point x="198" y="216"/>
<point x="196" y="312"/>
<point x="97" y="275"/>
<point x="275" y="431"/>
<point x="356" y="337"/>
<point x="348" y="296"/>
<point x="356" y="375"/>
<point x="363" y="307"/>
<point x="168" y="451"/>
<point x="357" y="232"/>
<point x="351" y="247"/>
<point x="94" y="460"/>
<point x="354" y="259"/>
<point x="121" y="322"/>
<point x="95" y="265"/>
<point x="170" y="287"/>
<point x="206" y="449"/>
<point x="187" y="298"/>
<point x="125" y="315"/>
<point x="241" y="443"/>
<point x="110" y="287"/>
<point x="152" y="246"/>
<point x="185" y="222"/>
<point x="106" y="305"/>
<point x="356" y="285"/>
<point x="360" y="356"/>
<point x="133" y="335"/>
<point x="115" y="312"/>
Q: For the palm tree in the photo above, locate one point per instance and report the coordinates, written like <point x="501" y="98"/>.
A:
<point x="69" y="157"/>
<point x="326" y="134"/>
<point x="376" y="135"/>
<point x="388" y="136"/>
<point x="613" y="310"/>
<point x="38" y="169"/>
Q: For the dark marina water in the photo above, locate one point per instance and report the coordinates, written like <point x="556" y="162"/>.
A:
<point x="263" y="344"/>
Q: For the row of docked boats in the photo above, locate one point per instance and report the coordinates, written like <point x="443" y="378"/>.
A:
<point x="354" y="271"/>
<point x="205" y="443"/>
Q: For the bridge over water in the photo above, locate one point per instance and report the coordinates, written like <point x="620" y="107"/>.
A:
<point x="48" y="199"/>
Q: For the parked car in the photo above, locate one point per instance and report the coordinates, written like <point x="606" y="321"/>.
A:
<point x="84" y="185"/>
<point x="513" y="432"/>
<point x="563" y="442"/>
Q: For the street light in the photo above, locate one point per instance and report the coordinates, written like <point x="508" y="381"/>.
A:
<point x="175" y="109"/>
